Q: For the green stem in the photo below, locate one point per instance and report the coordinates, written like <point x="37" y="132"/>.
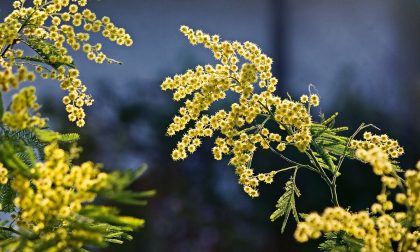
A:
<point x="289" y="160"/>
<point x="10" y="229"/>
<point x="318" y="165"/>
<point x="333" y="188"/>
<point x="289" y="168"/>
<point x="331" y="184"/>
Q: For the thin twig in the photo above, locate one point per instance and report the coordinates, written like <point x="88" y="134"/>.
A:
<point x="288" y="159"/>
<point x="10" y="229"/>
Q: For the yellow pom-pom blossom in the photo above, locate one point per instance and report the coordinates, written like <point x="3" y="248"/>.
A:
<point x="412" y="198"/>
<point x="377" y="234"/>
<point x="51" y="28"/>
<point x="377" y="158"/>
<point x="379" y="229"/>
<point x="3" y="174"/>
<point x="10" y="78"/>
<point x="9" y="32"/>
<point x="242" y="125"/>
<point x="58" y="190"/>
<point x="386" y="144"/>
<point x="314" y="100"/>
<point x="19" y="115"/>
<point x="378" y="150"/>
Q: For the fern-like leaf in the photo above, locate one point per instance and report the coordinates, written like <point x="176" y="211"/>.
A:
<point x="69" y="137"/>
<point x="118" y="181"/>
<point x="46" y="51"/>
<point x="7" y="195"/>
<point x="340" y="242"/>
<point x="328" y="146"/>
<point x="49" y="136"/>
<point x="22" y="140"/>
<point x="287" y="204"/>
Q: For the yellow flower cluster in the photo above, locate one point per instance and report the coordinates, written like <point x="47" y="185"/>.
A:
<point x="411" y="200"/>
<point x="383" y="167"/>
<point x="8" y="32"/>
<point x="376" y="233"/>
<point x="77" y="98"/>
<point x="290" y="113"/>
<point x="377" y="158"/>
<point x="10" y="79"/>
<point x="412" y="197"/>
<point x="19" y="115"/>
<point x="241" y="127"/>
<point x="378" y="150"/>
<point x="58" y="190"/>
<point x="386" y="144"/>
<point x="313" y="99"/>
<point x="48" y="27"/>
<point x="3" y="174"/>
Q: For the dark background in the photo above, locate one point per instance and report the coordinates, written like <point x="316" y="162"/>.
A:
<point x="362" y="56"/>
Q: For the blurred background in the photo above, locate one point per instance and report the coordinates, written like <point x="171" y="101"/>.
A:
<point x="362" y="56"/>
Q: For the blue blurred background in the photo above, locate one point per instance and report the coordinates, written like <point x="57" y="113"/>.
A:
<point x="362" y="56"/>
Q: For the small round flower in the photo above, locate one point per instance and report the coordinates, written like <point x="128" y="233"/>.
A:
<point x="3" y="174"/>
<point x="304" y="99"/>
<point x="73" y="8"/>
<point x="314" y="100"/>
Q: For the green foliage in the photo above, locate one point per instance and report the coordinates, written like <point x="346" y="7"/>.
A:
<point x="21" y="139"/>
<point x="340" y="242"/>
<point x="4" y="234"/>
<point x="46" y="52"/>
<point x="95" y="225"/>
<point x="27" y="145"/>
<point x="287" y="204"/>
<point x="327" y="151"/>
<point x="7" y="196"/>
<point x="328" y="146"/>
<point x="119" y="180"/>
<point x="110" y="216"/>
<point x="49" y="136"/>
<point x="11" y="155"/>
